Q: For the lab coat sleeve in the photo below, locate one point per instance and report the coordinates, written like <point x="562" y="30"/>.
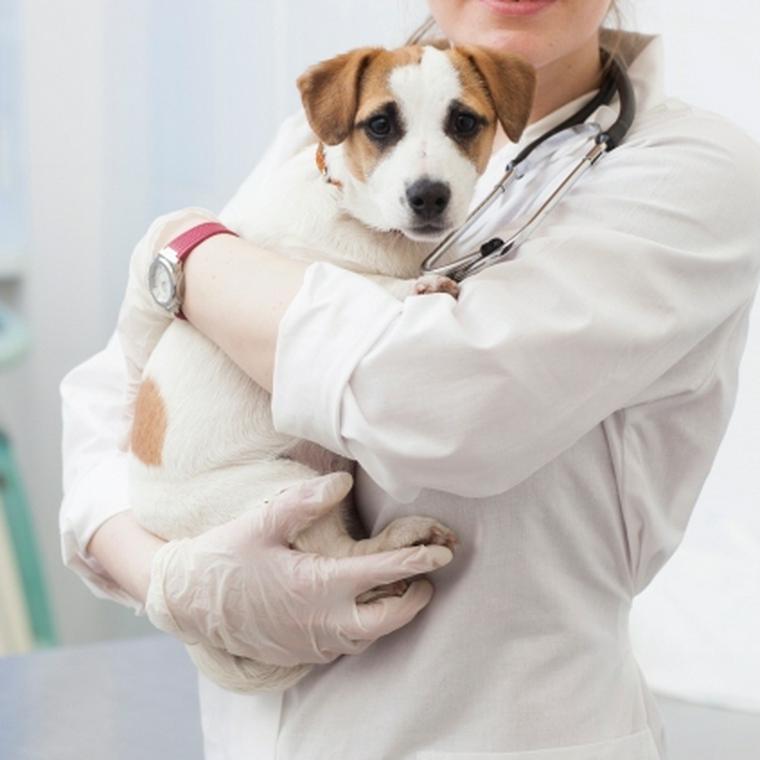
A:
<point x="651" y="251"/>
<point x="96" y="423"/>
<point x="97" y="406"/>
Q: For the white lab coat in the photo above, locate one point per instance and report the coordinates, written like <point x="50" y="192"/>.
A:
<point x="561" y="417"/>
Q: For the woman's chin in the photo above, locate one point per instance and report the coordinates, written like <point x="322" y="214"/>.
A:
<point x="530" y="45"/>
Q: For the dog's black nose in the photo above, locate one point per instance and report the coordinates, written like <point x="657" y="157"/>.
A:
<point x="428" y="199"/>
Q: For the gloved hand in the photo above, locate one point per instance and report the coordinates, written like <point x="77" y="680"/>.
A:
<point x="240" y="589"/>
<point x="141" y="320"/>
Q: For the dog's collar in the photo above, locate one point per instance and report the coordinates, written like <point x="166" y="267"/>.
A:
<point x="322" y="166"/>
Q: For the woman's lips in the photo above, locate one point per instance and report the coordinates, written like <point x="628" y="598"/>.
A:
<point x="518" y="7"/>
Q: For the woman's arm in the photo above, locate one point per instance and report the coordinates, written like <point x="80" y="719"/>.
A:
<point x="185" y="586"/>
<point x="236" y="295"/>
<point x="219" y="266"/>
<point x="95" y="430"/>
<point x="97" y="398"/>
<point x="125" y="551"/>
<point x="647" y="256"/>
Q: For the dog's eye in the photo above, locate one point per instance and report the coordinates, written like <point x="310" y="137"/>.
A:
<point x="379" y="126"/>
<point x="465" y="124"/>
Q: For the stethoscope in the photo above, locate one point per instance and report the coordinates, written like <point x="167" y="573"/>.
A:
<point x="497" y="249"/>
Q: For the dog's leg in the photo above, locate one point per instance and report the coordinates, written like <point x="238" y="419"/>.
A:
<point x="426" y="283"/>
<point x="414" y="530"/>
<point x="436" y="283"/>
<point x="329" y="536"/>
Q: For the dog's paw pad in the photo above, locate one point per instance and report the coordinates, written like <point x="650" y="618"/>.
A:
<point x="439" y="536"/>
<point x="436" y="283"/>
<point x="417" y="530"/>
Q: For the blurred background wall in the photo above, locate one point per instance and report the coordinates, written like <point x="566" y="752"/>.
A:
<point x="131" y="109"/>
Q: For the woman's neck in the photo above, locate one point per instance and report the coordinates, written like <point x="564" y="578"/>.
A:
<point x="561" y="82"/>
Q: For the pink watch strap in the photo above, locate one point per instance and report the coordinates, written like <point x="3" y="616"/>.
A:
<point x="183" y="244"/>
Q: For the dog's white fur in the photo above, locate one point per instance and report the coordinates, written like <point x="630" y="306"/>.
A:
<point x="221" y="454"/>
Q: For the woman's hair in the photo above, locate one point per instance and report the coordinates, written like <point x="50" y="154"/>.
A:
<point x="427" y="29"/>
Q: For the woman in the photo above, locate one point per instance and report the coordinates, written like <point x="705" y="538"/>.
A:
<point x="561" y="417"/>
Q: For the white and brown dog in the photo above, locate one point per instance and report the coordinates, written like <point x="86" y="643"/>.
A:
<point x="401" y="138"/>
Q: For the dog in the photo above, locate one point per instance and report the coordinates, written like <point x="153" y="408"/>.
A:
<point x="401" y="137"/>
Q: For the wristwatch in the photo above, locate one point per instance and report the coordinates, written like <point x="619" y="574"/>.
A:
<point x="166" y="280"/>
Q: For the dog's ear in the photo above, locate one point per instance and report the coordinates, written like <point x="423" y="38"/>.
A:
<point x="330" y="93"/>
<point x="511" y="82"/>
<point x="440" y="43"/>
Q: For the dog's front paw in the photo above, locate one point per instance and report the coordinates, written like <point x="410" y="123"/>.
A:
<point x="415" y="531"/>
<point x="436" y="283"/>
<point x="403" y="532"/>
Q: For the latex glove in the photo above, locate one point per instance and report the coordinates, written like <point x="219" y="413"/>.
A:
<point x="240" y="589"/>
<point x="141" y="320"/>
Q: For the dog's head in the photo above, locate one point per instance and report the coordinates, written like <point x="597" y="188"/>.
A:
<point x="414" y="128"/>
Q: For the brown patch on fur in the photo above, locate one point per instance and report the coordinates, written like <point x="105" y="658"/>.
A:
<point x="362" y="154"/>
<point x="345" y="89"/>
<point x="508" y="80"/>
<point x="149" y="427"/>
<point x="330" y="93"/>
<point x="475" y="95"/>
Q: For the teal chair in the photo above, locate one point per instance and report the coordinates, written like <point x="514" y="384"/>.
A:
<point x="14" y="507"/>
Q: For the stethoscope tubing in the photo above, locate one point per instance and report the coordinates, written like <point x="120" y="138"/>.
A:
<point x="498" y="249"/>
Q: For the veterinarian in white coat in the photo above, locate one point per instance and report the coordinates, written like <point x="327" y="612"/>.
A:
<point x="561" y="417"/>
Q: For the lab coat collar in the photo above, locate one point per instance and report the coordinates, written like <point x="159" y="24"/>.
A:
<point x="643" y="55"/>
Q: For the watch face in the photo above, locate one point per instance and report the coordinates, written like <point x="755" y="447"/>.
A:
<point x="161" y="283"/>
